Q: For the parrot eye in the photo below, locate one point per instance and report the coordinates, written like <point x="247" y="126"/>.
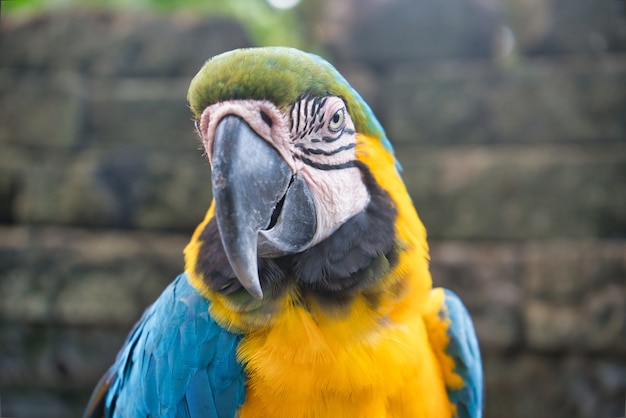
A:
<point x="336" y="123"/>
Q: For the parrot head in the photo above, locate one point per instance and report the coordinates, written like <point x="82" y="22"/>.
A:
<point x="292" y="148"/>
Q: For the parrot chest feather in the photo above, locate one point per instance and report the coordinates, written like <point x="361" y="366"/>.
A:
<point x="359" y="364"/>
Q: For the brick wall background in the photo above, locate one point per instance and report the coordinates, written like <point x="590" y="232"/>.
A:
<point x="509" y="119"/>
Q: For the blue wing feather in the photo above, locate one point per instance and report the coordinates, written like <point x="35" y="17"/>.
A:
<point x="177" y="362"/>
<point x="463" y="348"/>
<point x="198" y="400"/>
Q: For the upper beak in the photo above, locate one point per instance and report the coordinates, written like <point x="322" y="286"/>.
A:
<point x="261" y="207"/>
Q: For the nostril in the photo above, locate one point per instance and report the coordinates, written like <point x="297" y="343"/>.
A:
<point x="266" y="119"/>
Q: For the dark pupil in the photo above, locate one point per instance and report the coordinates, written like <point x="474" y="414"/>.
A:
<point x="336" y="117"/>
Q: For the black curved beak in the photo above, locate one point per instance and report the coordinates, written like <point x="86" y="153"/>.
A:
<point x="261" y="207"/>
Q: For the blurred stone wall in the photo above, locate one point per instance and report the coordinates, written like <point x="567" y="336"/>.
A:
<point x="509" y="118"/>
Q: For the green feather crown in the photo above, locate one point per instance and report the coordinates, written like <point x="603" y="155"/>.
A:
<point x="280" y="75"/>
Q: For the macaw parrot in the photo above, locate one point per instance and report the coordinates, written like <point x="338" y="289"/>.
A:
<point x="306" y="290"/>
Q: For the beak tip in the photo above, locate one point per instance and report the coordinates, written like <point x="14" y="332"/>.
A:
<point x="247" y="274"/>
<point x="258" y="295"/>
<point x="255" y="290"/>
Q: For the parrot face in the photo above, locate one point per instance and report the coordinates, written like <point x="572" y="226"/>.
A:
<point x="282" y="180"/>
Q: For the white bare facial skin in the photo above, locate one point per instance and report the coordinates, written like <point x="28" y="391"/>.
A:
<point x="317" y="140"/>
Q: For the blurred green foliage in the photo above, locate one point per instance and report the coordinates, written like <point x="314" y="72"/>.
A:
<point x="266" y="25"/>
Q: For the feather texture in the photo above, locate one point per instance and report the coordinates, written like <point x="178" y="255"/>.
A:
<point x="177" y="362"/>
<point x="463" y="348"/>
<point x="453" y="339"/>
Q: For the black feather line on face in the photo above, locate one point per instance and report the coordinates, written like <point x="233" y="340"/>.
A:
<point x="354" y="258"/>
<point x="325" y="167"/>
<point x="316" y="151"/>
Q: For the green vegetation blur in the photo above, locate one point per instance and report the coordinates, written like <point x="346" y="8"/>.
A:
<point x="271" y="22"/>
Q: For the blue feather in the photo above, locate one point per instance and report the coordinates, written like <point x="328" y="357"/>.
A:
<point x="463" y="348"/>
<point x="177" y="362"/>
<point x="200" y="397"/>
